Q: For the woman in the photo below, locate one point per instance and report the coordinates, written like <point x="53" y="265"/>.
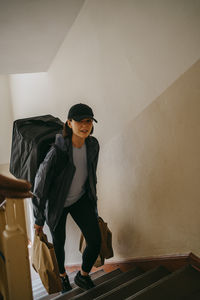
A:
<point x="66" y="183"/>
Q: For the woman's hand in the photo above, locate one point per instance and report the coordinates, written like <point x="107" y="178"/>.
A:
<point x="38" y="228"/>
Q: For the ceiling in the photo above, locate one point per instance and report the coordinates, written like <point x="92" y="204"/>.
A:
<point x="31" y="32"/>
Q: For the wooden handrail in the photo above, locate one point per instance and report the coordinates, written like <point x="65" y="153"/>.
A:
<point x="12" y="188"/>
<point x="15" y="279"/>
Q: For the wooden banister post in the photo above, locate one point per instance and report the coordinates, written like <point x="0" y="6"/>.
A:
<point x="16" y="253"/>
<point x="2" y="226"/>
<point x="13" y="239"/>
<point x="3" y="277"/>
<point x="20" y="216"/>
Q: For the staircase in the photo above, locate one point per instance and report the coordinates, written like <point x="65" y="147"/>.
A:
<point x="157" y="283"/>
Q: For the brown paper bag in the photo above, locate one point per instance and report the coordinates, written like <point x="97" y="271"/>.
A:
<point x="45" y="264"/>
<point x="106" y="239"/>
<point x="106" y="243"/>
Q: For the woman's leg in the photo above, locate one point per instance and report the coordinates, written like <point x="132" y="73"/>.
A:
<point x="58" y="237"/>
<point x="85" y="217"/>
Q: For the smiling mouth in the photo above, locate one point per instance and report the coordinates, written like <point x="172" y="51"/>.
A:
<point x="84" y="131"/>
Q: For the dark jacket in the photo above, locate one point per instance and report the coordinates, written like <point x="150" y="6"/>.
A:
<point x="54" y="178"/>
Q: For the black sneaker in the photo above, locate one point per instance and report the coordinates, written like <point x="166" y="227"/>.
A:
<point x="66" y="286"/>
<point x="84" y="282"/>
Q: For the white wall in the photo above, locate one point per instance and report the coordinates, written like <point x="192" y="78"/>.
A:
<point x="29" y="94"/>
<point x="6" y="119"/>
<point x="118" y="52"/>
<point x="132" y="51"/>
<point x="119" y="56"/>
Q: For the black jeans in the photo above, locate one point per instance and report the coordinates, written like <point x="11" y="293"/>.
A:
<point x="85" y="217"/>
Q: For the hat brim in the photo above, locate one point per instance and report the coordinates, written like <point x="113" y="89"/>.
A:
<point x="79" y="118"/>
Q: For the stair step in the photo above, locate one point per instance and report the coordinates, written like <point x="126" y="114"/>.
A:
<point x="180" y="284"/>
<point x="93" y="275"/>
<point x="39" y="292"/>
<point x="109" y="284"/>
<point x="192" y="296"/>
<point x="38" y="289"/>
<point x="49" y="297"/>
<point x="97" y="281"/>
<point x="134" y="285"/>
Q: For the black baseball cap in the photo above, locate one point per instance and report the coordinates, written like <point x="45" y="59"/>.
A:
<point x="80" y="111"/>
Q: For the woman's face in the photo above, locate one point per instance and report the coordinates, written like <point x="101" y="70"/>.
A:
<point x="81" y="128"/>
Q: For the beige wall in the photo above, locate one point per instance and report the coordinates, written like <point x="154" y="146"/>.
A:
<point x="125" y="58"/>
<point x="4" y="169"/>
<point x="153" y="175"/>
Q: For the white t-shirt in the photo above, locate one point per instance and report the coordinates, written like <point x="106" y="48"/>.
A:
<point x="77" y="188"/>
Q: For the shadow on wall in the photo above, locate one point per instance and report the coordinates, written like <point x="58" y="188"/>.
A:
<point x="153" y="175"/>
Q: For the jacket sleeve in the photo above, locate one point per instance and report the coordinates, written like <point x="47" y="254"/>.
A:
<point x="95" y="166"/>
<point x="96" y="160"/>
<point x="42" y="183"/>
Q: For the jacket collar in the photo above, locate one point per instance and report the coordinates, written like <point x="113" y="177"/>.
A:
<point x="90" y="145"/>
<point x="92" y="148"/>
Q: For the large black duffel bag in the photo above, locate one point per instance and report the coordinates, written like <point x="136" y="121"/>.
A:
<point x="31" y="140"/>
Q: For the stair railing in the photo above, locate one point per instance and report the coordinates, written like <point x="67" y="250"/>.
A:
<point x="15" y="278"/>
<point x="3" y="278"/>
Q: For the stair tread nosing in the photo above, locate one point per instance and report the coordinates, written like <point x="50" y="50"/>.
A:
<point x="177" y="285"/>
<point x="134" y="285"/>
<point x="97" y="281"/>
<point x="109" y="284"/>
